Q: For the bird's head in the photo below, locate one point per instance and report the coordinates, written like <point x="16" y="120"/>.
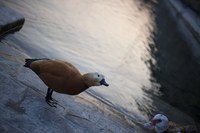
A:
<point x="94" y="79"/>
<point x="160" y="122"/>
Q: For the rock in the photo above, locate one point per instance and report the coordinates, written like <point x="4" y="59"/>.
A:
<point x="10" y="21"/>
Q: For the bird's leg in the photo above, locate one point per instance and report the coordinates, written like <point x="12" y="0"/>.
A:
<point x="49" y="98"/>
<point x="50" y="93"/>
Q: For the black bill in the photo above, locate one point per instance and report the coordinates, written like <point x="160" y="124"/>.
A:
<point x="103" y="82"/>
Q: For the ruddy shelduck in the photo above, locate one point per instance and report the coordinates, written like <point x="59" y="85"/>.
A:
<point x="63" y="77"/>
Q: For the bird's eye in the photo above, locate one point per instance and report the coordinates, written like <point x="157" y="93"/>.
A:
<point x="98" y="75"/>
<point x="159" y="120"/>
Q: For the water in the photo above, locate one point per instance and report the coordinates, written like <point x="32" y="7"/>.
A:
<point x="112" y="37"/>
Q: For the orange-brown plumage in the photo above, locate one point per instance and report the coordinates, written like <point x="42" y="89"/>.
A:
<point x="63" y="77"/>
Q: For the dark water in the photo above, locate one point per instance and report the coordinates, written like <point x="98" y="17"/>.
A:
<point x="176" y="70"/>
<point x="134" y="43"/>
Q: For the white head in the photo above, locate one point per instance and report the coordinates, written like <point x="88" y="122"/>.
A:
<point x="94" y="79"/>
<point x="160" y="122"/>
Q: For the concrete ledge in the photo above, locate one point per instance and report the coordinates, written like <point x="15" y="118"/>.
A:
<point x="10" y="21"/>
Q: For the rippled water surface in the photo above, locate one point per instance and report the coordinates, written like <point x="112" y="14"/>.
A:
<point x="108" y="36"/>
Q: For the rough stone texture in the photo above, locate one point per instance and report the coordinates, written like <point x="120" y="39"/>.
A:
<point x="11" y="21"/>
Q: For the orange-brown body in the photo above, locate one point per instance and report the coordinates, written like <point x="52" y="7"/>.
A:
<point x="63" y="77"/>
<point x="60" y="76"/>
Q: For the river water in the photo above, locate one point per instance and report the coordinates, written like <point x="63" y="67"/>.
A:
<point x="115" y="37"/>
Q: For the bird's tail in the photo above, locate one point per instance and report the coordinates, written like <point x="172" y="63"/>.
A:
<point x="29" y="61"/>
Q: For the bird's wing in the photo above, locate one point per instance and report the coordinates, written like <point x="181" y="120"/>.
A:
<point x="55" y="67"/>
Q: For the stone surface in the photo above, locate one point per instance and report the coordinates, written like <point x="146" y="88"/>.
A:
<point x="11" y="21"/>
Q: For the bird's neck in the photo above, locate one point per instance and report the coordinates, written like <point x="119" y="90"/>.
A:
<point x="84" y="84"/>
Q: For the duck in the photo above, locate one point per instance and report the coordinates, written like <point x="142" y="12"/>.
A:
<point x="63" y="77"/>
<point x="159" y="123"/>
